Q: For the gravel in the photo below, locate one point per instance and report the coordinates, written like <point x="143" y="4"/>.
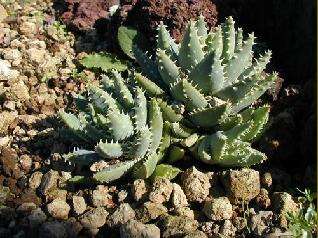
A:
<point x="260" y="223"/>
<point x="35" y="180"/>
<point x="58" y="209"/>
<point x="79" y="205"/>
<point x="177" y="226"/>
<point x="135" y="229"/>
<point x="48" y="181"/>
<point x="151" y="211"/>
<point x="102" y="197"/>
<point x="178" y="197"/>
<point x="139" y="189"/>
<point x="282" y="204"/>
<point x="218" y="209"/>
<point x="94" y="218"/>
<point x="53" y="229"/>
<point x="195" y="185"/>
<point x="36" y="218"/>
<point x="121" y="215"/>
<point x="161" y="190"/>
<point x="241" y="185"/>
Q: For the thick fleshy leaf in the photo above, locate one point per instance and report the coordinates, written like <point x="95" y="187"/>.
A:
<point x="209" y="117"/>
<point x="156" y="126"/>
<point x="140" y="146"/>
<point x="175" y="154"/>
<point x="140" y="110"/>
<point x="238" y="40"/>
<point x="241" y="154"/>
<point x="122" y="90"/>
<point x="193" y="97"/>
<point x="127" y="38"/>
<point x="167" y="68"/>
<point x="165" y="171"/>
<point x="228" y="39"/>
<point x="145" y="168"/>
<point x="240" y="61"/>
<point x="201" y="26"/>
<point x="166" y="43"/>
<point x="180" y="131"/>
<point x="208" y="74"/>
<point x="104" y="61"/>
<point x="109" y="150"/>
<point x="168" y="112"/>
<point x="114" y="171"/>
<point x="214" y="42"/>
<point x="259" y="119"/>
<point x="191" y="52"/>
<point x="102" y="100"/>
<point x="258" y="66"/>
<point x="120" y="125"/>
<point x="149" y="86"/>
<point x="219" y="149"/>
<point x="81" y="157"/>
<point x="245" y="92"/>
<point x="148" y="66"/>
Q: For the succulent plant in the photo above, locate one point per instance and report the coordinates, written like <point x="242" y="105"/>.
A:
<point x="126" y="129"/>
<point x="214" y="76"/>
<point x="195" y="96"/>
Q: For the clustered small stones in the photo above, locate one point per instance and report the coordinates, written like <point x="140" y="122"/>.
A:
<point x="165" y="209"/>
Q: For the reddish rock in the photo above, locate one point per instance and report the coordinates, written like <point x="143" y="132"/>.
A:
<point x="146" y="15"/>
<point x="82" y="14"/>
<point x="27" y="196"/>
<point x="9" y="163"/>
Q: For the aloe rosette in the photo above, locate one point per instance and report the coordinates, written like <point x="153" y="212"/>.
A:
<point x="216" y="77"/>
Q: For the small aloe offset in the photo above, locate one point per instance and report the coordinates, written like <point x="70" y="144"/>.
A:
<point x="208" y="83"/>
<point x="126" y="129"/>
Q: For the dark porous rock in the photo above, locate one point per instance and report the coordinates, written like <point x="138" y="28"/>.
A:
<point x="196" y="234"/>
<point x="161" y="190"/>
<point x="260" y="223"/>
<point x="73" y="227"/>
<point x="36" y="218"/>
<point x="26" y="208"/>
<point x="28" y="195"/>
<point x="195" y="185"/>
<point x="284" y="203"/>
<point x="4" y="232"/>
<point x="7" y="214"/>
<point x="9" y="163"/>
<point x="262" y="199"/>
<point x="177" y="226"/>
<point x="135" y="229"/>
<point x="150" y="211"/>
<point x="241" y="185"/>
<point x="278" y="142"/>
<point x="121" y="215"/>
<point x="280" y="179"/>
<point x="94" y="218"/>
<point x="49" y="181"/>
<point x="53" y="229"/>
